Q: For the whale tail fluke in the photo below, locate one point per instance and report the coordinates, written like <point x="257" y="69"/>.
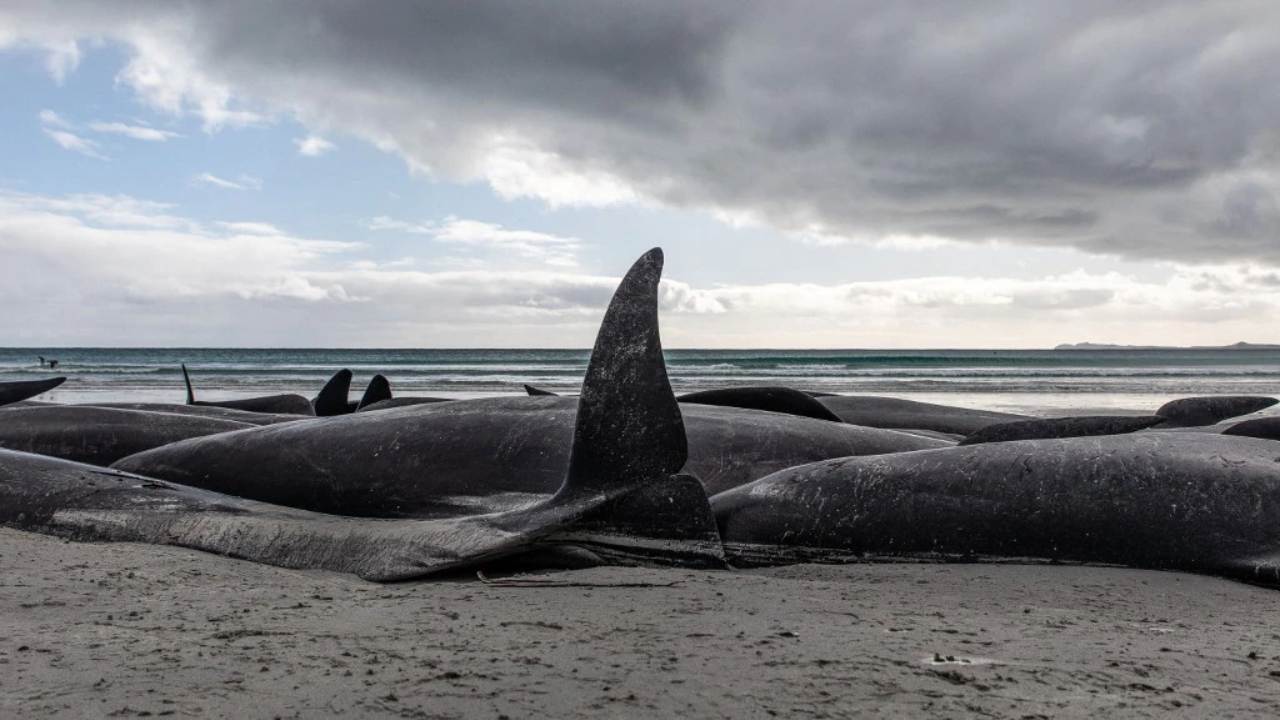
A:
<point x="332" y="399"/>
<point x="379" y="389"/>
<point x="186" y="377"/>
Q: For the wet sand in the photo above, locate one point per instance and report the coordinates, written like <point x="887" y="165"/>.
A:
<point x="95" y="630"/>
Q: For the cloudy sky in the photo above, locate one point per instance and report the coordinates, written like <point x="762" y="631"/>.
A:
<point x="478" y="174"/>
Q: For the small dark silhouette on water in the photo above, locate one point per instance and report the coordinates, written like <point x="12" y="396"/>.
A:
<point x="52" y="363"/>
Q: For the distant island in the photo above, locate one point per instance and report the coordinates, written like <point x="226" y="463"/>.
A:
<point x="1108" y="346"/>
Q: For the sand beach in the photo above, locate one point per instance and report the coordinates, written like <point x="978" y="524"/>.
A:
<point x="126" y="630"/>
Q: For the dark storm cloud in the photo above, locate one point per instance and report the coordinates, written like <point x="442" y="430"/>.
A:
<point x="1140" y="129"/>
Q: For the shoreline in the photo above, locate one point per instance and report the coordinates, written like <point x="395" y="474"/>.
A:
<point x="1042" y="404"/>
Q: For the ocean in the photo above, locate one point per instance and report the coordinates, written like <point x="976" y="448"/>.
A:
<point x="1012" y="380"/>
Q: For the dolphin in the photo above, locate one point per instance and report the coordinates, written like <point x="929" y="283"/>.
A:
<point x="621" y="499"/>
<point x="12" y="392"/>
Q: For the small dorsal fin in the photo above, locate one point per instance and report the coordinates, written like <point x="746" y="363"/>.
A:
<point x="186" y="377"/>
<point x="379" y="389"/>
<point x="535" y="392"/>
<point x="332" y="399"/>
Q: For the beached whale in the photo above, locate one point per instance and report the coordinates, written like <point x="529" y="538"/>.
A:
<point x="1210" y="409"/>
<point x="770" y="398"/>
<point x="758" y="397"/>
<point x="1062" y="427"/>
<point x="1197" y="502"/>
<point x="398" y="402"/>
<point x="208" y="411"/>
<point x="621" y="498"/>
<point x="430" y="459"/>
<point x="1267" y="428"/>
<point x="17" y="391"/>
<point x="100" y="436"/>
<point x="288" y="403"/>
<point x="887" y="412"/>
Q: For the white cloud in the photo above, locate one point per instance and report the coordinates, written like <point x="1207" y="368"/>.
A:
<point x="517" y="168"/>
<point x="132" y="250"/>
<point x="62" y="59"/>
<point x="52" y="119"/>
<point x="167" y="78"/>
<point x="70" y="141"/>
<point x="825" y="238"/>
<point x="59" y="130"/>
<point x="382" y="222"/>
<point x="491" y="237"/>
<point x="243" y="182"/>
<point x="251" y="228"/>
<point x="313" y="145"/>
<point x="551" y="249"/>
<point x="135" y="272"/>
<point x="98" y="209"/>
<point x="137" y="132"/>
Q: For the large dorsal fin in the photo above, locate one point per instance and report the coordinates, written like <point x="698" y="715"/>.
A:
<point x="186" y="377"/>
<point x="629" y="429"/>
<point x="332" y="399"/>
<point x="379" y="389"/>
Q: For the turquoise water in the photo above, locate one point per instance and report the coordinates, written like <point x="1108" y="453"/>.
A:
<point x="1003" y="379"/>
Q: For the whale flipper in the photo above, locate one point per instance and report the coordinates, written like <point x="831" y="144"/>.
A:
<point x="12" y="392"/>
<point x="379" y="389"/>
<point x="332" y="399"/>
